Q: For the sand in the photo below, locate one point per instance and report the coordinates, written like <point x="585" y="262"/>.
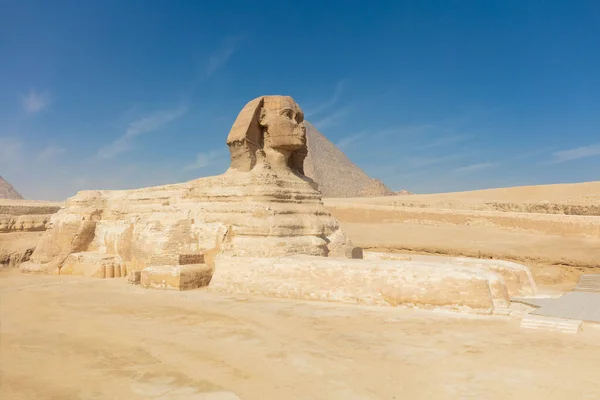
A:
<point x="80" y="338"/>
<point x="554" y="229"/>
<point x="567" y="198"/>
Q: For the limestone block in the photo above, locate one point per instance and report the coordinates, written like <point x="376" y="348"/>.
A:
<point x="381" y="283"/>
<point x="518" y="277"/>
<point x="134" y="277"/>
<point x="176" y="277"/>
<point x="93" y="265"/>
<point x="551" y="324"/>
<point x="340" y="246"/>
<point x="177" y="259"/>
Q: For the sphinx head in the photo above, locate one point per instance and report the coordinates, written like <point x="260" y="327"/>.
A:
<point x="273" y="125"/>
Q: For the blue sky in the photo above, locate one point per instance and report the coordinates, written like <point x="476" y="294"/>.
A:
<point x="430" y="96"/>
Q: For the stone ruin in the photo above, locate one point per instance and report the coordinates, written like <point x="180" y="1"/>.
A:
<point x="259" y="228"/>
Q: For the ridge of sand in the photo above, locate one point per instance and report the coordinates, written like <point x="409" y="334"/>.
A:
<point x="568" y="198"/>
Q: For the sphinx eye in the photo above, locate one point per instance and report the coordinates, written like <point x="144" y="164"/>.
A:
<point x="287" y="112"/>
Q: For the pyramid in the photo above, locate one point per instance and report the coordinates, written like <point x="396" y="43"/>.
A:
<point x="7" y="191"/>
<point x="336" y="175"/>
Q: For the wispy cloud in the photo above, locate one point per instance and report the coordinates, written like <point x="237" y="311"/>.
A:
<point x="347" y="141"/>
<point x="205" y="159"/>
<point x="532" y="153"/>
<point x="425" y="161"/>
<point x="332" y="119"/>
<point x="220" y="57"/>
<point x="50" y="152"/>
<point x="592" y="150"/>
<point x="475" y="167"/>
<point x="337" y="92"/>
<point x="406" y="130"/>
<point x="144" y="125"/>
<point x="35" y="102"/>
<point x="444" y="140"/>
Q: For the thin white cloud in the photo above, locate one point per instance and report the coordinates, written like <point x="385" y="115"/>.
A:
<point x="475" y="167"/>
<point x="220" y="57"/>
<point x="337" y="92"/>
<point x="346" y="142"/>
<point x="205" y="159"/>
<point x="532" y="153"/>
<point x="576" y="153"/>
<point x="425" y="161"/>
<point x="144" y="125"/>
<point x="444" y="141"/>
<point x="50" y="152"/>
<point x="35" y="102"/>
<point x="332" y="119"/>
<point x="407" y="130"/>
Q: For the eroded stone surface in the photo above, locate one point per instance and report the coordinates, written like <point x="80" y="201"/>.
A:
<point x="369" y="282"/>
<point x="181" y="277"/>
<point x="93" y="265"/>
<point x="21" y="225"/>
<point x="518" y="278"/>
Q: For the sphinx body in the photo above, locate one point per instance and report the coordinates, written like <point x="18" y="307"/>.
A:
<point x="263" y="206"/>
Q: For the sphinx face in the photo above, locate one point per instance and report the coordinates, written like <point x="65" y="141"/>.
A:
<point x="284" y="127"/>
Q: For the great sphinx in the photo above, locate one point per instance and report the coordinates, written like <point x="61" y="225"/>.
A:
<point x="260" y="227"/>
<point x="262" y="206"/>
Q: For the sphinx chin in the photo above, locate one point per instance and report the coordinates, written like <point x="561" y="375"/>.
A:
<point x="261" y="227"/>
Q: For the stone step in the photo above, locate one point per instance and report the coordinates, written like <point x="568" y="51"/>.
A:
<point x="588" y="283"/>
<point x="551" y="324"/>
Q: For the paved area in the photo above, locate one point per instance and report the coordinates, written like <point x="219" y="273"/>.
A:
<point x="588" y="283"/>
<point x="574" y="305"/>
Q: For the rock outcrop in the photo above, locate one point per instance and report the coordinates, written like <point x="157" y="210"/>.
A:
<point x="7" y="191"/>
<point x="22" y="223"/>
<point x="333" y="171"/>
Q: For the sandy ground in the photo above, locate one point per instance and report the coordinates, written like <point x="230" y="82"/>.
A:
<point x="79" y="338"/>
<point x="552" y="258"/>
<point x="585" y="194"/>
<point x="553" y="229"/>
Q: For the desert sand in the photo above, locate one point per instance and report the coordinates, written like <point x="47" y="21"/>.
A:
<point x="79" y="338"/>
<point x="554" y="229"/>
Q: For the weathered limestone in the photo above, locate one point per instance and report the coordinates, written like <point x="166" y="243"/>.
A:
<point x="518" y="278"/>
<point x="93" y="265"/>
<point x="260" y="228"/>
<point x="25" y="215"/>
<point x="21" y="225"/>
<point x="381" y="283"/>
<point x="540" y="322"/>
<point x="179" y="277"/>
